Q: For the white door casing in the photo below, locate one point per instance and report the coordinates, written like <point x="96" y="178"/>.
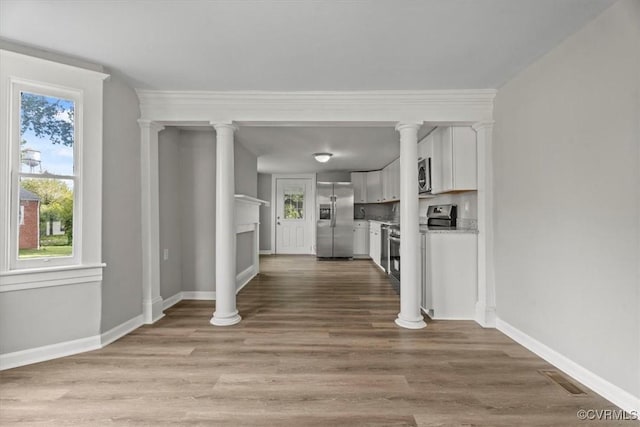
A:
<point x="294" y="212"/>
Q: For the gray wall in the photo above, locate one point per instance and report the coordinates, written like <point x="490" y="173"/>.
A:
<point x="567" y="198"/>
<point x="246" y="171"/>
<point x="198" y="203"/>
<point x="38" y="317"/>
<point x="169" y="168"/>
<point x="264" y="193"/>
<point x="121" y="209"/>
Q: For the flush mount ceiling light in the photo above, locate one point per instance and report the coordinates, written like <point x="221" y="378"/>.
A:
<point x="322" y="157"/>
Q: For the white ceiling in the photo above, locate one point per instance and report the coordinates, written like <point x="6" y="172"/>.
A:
<point x="290" y="149"/>
<point x="297" y="45"/>
<point x="294" y="45"/>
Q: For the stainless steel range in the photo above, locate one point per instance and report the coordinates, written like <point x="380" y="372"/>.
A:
<point x="394" y="257"/>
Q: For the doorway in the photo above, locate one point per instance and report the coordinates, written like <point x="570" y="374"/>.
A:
<point x="294" y="215"/>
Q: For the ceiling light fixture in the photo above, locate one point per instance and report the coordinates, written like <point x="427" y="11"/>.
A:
<point x="322" y="157"/>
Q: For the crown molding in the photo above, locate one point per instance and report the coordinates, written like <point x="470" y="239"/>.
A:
<point x="357" y="106"/>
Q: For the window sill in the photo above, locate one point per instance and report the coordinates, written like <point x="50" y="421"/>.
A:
<point x="33" y="278"/>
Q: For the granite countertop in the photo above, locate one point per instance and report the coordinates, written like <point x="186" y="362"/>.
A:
<point x="424" y="229"/>
<point x="382" y="221"/>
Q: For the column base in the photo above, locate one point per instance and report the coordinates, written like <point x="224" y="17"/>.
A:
<point x="418" y="323"/>
<point x="232" y="319"/>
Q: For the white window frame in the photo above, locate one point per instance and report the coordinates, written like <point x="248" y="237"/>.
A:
<point x="71" y="94"/>
<point x="20" y="72"/>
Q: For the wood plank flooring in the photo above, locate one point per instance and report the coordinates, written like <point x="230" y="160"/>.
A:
<point x="317" y="346"/>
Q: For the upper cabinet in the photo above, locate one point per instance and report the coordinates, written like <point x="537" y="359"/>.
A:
<point x="452" y="151"/>
<point x="359" y="182"/>
<point x="391" y="181"/>
<point x="374" y="187"/>
<point x="453" y="164"/>
<point x="425" y="147"/>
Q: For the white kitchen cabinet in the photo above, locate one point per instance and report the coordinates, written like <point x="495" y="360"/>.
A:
<point x="359" y="182"/>
<point x="394" y="179"/>
<point x="453" y="165"/>
<point x="391" y="181"/>
<point x="374" y="242"/>
<point x="385" y="180"/>
<point x="374" y="187"/>
<point x="450" y="275"/>
<point x="361" y="239"/>
<point x="425" y="147"/>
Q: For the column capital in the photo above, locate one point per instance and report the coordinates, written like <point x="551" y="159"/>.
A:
<point x="483" y="125"/>
<point x="408" y="125"/>
<point x="224" y="125"/>
<point x="150" y="124"/>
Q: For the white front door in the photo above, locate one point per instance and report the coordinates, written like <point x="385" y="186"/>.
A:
<point x="294" y="209"/>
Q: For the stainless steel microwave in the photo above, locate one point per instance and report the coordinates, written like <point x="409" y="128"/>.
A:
<point x="424" y="175"/>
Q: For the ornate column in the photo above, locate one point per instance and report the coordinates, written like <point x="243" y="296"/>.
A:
<point x="151" y="299"/>
<point x="409" y="316"/>
<point x="226" y="312"/>
<point x="485" y="305"/>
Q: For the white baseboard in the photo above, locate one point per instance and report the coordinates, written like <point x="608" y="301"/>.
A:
<point x="245" y="277"/>
<point x="265" y="252"/>
<point x="121" y="330"/>
<point x="199" y="295"/>
<point x="48" y="352"/>
<point x="609" y="391"/>
<point x="171" y="301"/>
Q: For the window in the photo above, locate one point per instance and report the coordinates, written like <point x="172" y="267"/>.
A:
<point x="50" y="210"/>
<point x="293" y="203"/>
<point x="46" y="175"/>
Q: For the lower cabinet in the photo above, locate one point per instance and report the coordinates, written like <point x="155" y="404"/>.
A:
<point x="361" y="239"/>
<point x="449" y="275"/>
<point x="374" y="242"/>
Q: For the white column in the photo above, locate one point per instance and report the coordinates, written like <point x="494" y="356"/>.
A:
<point x="226" y="312"/>
<point x="485" y="305"/>
<point x="151" y="299"/>
<point x="410" y="278"/>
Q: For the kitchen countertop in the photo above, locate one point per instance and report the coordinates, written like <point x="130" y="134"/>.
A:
<point x="381" y="221"/>
<point x="424" y="229"/>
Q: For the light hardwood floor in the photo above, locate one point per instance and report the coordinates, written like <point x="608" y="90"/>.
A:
<point x="317" y="346"/>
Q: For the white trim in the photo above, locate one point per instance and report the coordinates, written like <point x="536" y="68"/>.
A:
<point x="171" y="301"/>
<point x="245" y="228"/>
<point x="486" y="300"/>
<point x="251" y="200"/>
<point x="121" y="330"/>
<point x="245" y="277"/>
<point x="152" y="310"/>
<point x="17" y="280"/>
<point x="48" y="352"/>
<point x="199" y="295"/>
<point x="609" y="391"/>
<point x="319" y="106"/>
<point x="265" y="252"/>
<point x="69" y="348"/>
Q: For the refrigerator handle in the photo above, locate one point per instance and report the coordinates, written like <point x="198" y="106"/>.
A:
<point x="333" y="211"/>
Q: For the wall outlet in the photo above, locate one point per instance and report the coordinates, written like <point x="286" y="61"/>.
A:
<point x="165" y="254"/>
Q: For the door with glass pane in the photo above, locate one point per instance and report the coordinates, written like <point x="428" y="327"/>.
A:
<point x="294" y="227"/>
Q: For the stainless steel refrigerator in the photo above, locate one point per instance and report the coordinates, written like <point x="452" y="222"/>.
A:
<point x="334" y="233"/>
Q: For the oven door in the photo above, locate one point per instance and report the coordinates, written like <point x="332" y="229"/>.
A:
<point x="394" y="261"/>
